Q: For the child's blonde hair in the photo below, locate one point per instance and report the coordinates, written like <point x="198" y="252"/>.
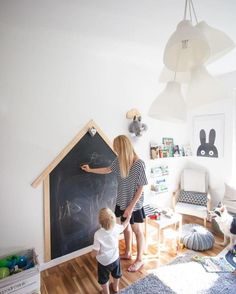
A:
<point x="107" y="218"/>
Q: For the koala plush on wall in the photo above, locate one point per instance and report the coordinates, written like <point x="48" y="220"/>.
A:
<point x="136" y="127"/>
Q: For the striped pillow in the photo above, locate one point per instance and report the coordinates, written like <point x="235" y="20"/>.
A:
<point x="193" y="197"/>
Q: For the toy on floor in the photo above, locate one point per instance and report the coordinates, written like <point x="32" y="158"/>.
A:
<point x="214" y="264"/>
<point x="197" y="258"/>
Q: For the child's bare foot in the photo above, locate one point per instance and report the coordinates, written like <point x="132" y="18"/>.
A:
<point x="113" y="289"/>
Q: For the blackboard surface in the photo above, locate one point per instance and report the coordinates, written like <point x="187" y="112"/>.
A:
<point x="76" y="196"/>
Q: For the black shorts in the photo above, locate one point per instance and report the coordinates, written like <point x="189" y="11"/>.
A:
<point x="104" y="271"/>
<point x="137" y="216"/>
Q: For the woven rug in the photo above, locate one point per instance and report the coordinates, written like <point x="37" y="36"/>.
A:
<point x="183" y="276"/>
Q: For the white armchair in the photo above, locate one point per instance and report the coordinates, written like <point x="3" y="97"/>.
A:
<point x="193" y="197"/>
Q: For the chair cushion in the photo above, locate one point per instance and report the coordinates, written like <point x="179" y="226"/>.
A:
<point x="191" y="209"/>
<point x="196" y="237"/>
<point x="193" y="197"/>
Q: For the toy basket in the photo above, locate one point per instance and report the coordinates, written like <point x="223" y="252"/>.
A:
<point x="25" y="282"/>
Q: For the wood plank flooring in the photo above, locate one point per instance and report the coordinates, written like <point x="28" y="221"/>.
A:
<point x="79" y="275"/>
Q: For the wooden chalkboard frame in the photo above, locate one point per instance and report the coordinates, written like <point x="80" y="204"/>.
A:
<point x="44" y="177"/>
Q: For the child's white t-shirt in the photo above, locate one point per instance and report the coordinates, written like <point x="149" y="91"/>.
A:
<point x="106" y="243"/>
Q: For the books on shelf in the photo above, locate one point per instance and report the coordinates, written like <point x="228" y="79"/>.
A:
<point x="160" y="186"/>
<point x="158" y="171"/>
<point x="168" y="149"/>
<point x="159" y="182"/>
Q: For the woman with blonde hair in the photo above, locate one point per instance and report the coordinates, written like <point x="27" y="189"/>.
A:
<point x="131" y="177"/>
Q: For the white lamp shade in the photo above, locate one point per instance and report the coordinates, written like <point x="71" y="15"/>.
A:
<point x="204" y="88"/>
<point x="169" y="75"/>
<point x="169" y="105"/>
<point x="186" y="48"/>
<point x="219" y="42"/>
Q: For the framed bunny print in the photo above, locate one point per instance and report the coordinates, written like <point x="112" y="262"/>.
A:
<point x="208" y="135"/>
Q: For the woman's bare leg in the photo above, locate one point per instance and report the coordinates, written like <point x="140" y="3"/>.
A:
<point x="128" y="239"/>
<point x="137" y="229"/>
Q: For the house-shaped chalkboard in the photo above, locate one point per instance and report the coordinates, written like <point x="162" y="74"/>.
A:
<point x="72" y="197"/>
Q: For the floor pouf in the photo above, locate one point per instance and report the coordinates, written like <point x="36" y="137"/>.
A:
<point x="197" y="237"/>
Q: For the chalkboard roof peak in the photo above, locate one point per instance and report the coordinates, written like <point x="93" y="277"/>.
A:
<point x="45" y="173"/>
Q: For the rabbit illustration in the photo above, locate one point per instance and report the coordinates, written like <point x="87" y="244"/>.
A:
<point x="207" y="149"/>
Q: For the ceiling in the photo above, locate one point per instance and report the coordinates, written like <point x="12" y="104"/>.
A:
<point x="139" y="28"/>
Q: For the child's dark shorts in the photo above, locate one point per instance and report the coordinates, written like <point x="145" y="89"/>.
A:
<point x="104" y="271"/>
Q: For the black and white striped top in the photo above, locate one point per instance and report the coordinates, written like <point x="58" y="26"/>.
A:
<point x="128" y="186"/>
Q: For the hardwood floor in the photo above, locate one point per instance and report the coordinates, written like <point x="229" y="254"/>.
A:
<point x="79" y="276"/>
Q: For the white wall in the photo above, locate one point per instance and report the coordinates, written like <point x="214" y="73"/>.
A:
<point x="60" y="68"/>
<point x="220" y="169"/>
<point x="53" y="83"/>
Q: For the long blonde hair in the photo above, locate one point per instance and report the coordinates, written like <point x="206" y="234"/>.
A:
<point x="126" y="154"/>
<point x="107" y="218"/>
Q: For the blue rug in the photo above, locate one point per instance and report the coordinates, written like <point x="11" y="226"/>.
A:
<point x="183" y="276"/>
<point x="231" y="257"/>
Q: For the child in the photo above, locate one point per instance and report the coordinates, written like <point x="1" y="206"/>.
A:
<point x="106" y="249"/>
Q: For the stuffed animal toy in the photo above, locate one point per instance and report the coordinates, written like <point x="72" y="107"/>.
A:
<point x="136" y="127"/>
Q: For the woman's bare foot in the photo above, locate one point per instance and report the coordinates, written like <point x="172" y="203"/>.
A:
<point x="137" y="265"/>
<point x="126" y="256"/>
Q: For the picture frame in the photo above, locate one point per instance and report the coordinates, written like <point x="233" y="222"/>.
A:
<point x="176" y="150"/>
<point x="187" y="150"/>
<point x="154" y="151"/>
<point x="208" y="135"/>
<point x="167" y="141"/>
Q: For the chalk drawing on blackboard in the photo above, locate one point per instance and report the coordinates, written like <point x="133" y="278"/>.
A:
<point x="69" y="209"/>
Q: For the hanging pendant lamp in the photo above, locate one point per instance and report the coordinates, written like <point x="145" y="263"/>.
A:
<point x="169" y="105"/>
<point x="204" y="88"/>
<point x="186" y="48"/>
<point x="185" y="54"/>
<point x="169" y="75"/>
<point x="220" y="44"/>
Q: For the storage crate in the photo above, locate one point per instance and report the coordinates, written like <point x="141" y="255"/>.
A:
<point x="25" y="282"/>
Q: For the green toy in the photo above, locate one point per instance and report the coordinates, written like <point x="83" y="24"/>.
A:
<point x="4" y="272"/>
<point x="13" y="260"/>
<point x="5" y="263"/>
